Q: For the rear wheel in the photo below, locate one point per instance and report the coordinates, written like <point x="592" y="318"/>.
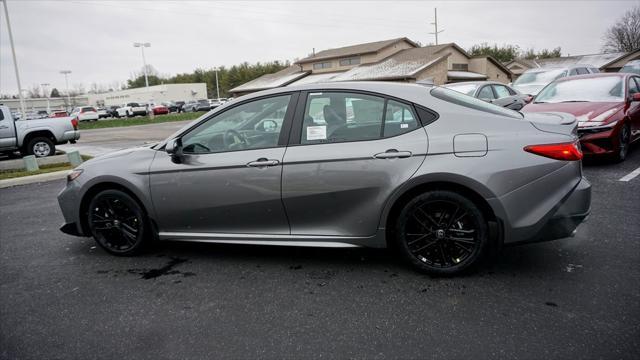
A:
<point x="441" y="233"/>
<point x="117" y="223"/>
<point x="624" y="138"/>
<point x="41" y="147"/>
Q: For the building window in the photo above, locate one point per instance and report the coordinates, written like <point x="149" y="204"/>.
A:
<point x="460" y="67"/>
<point x="350" y="61"/>
<point x="322" y="65"/>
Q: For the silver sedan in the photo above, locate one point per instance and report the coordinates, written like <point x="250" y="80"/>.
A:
<point x="437" y="175"/>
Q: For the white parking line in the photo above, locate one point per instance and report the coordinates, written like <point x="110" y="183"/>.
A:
<point x="630" y="175"/>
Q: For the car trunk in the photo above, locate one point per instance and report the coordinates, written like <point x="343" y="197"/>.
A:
<point x="553" y="122"/>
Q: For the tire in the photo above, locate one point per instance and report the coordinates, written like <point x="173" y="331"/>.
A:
<point x="624" y="139"/>
<point x="441" y="233"/>
<point x="41" y="147"/>
<point x="118" y="223"/>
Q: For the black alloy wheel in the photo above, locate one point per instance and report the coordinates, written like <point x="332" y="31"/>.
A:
<point x="117" y="222"/>
<point x="441" y="233"/>
<point x="625" y="140"/>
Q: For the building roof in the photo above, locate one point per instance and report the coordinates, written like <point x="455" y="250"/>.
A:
<point x="314" y="78"/>
<point x="269" y="81"/>
<point x="404" y="64"/>
<point x="352" y="50"/>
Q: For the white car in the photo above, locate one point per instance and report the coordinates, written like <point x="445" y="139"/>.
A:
<point x="85" y="113"/>
<point x="131" y="109"/>
<point x="534" y="80"/>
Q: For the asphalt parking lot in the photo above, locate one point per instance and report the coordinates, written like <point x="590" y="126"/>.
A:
<point x="62" y="297"/>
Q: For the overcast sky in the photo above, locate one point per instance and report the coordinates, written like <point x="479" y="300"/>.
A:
<point x="94" y="38"/>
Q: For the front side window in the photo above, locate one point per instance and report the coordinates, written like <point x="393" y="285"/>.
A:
<point x="598" y="89"/>
<point x="633" y="87"/>
<point x="486" y="93"/>
<point x="501" y="91"/>
<point x="253" y="125"/>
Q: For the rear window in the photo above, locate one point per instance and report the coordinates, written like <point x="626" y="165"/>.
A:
<point x="88" y="108"/>
<point x="539" y="77"/>
<point x="133" y="104"/>
<point x="203" y="102"/>
<point x="458" y="98"/>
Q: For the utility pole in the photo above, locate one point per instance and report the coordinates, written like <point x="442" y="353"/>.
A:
<point x="46" y="94"/>
<point x="435" y="24"/>
<point x="66" y="81"/>
<point x="144" y="61"/>
<point x="15" y="61"/>
<point x="217" y="87"/>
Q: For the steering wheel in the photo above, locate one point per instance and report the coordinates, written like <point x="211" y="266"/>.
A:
<point x="232" y="134"/>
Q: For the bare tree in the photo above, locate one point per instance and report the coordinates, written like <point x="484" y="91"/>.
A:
<point x="625" y="35"/>
<point x="34" y="92"/>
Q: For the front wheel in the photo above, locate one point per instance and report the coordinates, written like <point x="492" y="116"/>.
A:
<point x="41" y="147"/>
<point x="117" y="223"/>
<point x="441" y="233"/>
<point x="624" y="139"/>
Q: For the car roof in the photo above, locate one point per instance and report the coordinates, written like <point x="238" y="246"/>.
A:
<point x="596" y="75"/>
<point x="568" y="67"/>
<point x="483" y="82"/>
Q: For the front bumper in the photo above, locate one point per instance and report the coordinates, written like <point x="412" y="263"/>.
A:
<point x="69" y="201"/>
<point x="599" y="140"/>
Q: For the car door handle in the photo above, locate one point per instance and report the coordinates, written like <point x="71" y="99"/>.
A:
<point x="392" y="154"/>
<point x="4" y="127"/>
<point x="262" y="162"/>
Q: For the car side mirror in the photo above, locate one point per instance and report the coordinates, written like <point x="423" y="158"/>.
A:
<point x="635" y="97"/>
<point x="174" y="148"/>
<point x="267" y="126"/>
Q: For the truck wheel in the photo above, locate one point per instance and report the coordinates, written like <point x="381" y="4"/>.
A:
<point x="41" y="147"/>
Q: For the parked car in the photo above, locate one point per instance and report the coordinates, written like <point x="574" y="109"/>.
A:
<point x="180" y="105"/>
<point x="85" y="113"/>
<point x="58" y="113"/>
<point x="533" y="80"/>
<point x="102" y="113"/>
<point x="214" y="103"/>
<point x="632" y="67"/>
<point x="113" y="111"/>
<point x="199" y="105"/>
<point x="326" y="165"/>
<point x="132" y="109"/>
<point x="606" y="105"/>
<point x="42" y="114"/>
<point x="159" y="109"/>
<point x="37" y="137"/>
<point x="494" y="92"/>
<point x="171" y="106"/>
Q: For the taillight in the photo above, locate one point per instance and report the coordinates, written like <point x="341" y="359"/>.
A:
<point x="74" y="122"/>
<point x="564" y="151"/>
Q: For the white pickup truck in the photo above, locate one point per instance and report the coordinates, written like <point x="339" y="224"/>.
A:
<point x="131" y="109"/>
<point x="37" y="137"/>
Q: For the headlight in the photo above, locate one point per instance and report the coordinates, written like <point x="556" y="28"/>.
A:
<point x="590" y="124"/>
<point x="74" y="174"/>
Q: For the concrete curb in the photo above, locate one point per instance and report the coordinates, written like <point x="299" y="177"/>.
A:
<point x="56" y="175"/>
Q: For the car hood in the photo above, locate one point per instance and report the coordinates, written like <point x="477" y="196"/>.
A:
<point x="122" y="153"/>
<point x="529" y="89"/>
<point x="583" y="111"/>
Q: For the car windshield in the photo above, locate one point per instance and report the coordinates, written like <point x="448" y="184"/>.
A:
<point x="599" y="89"/>
<point x="471" y="102"/>
<point x="88" y="109"/>
<point x="467" y="89"/>
<point x="538" y="77"/>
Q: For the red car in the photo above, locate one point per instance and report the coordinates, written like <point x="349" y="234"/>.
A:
<point x="56" y="114"/>
<point x="606" y="105"/>
<point x="160" y="110"/>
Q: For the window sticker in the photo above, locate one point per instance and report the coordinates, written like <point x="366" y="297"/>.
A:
<point x="316" y="133"/>
<point x="404" y="126"/>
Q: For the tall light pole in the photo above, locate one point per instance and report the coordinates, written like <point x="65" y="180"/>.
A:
<point x="66" y="80"/>
<point x="15" y="61"/>
<point x="217" y="87"/>
<point x="435" y="24"/>
<point x="46" y="94"/>
<point x="144" y="61"/>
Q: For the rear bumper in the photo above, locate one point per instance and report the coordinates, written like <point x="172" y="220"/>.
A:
<point x="567" y="217"/>
<point x="70" y="136"/>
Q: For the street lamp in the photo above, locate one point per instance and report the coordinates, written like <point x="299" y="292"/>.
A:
<point x="66" y="80"/>
<point x="46" y="94"/>
<point x="217" y="87"/>
<point x="144" y="61"/>
<point x="15" y="61"/>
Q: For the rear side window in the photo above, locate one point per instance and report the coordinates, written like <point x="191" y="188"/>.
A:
<point x="633" y="87"/>
<point x="460" y="99"/>
<point x="343" y="117"/>
<point x="582" y="71"/>
<point x="502" y="91"/>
